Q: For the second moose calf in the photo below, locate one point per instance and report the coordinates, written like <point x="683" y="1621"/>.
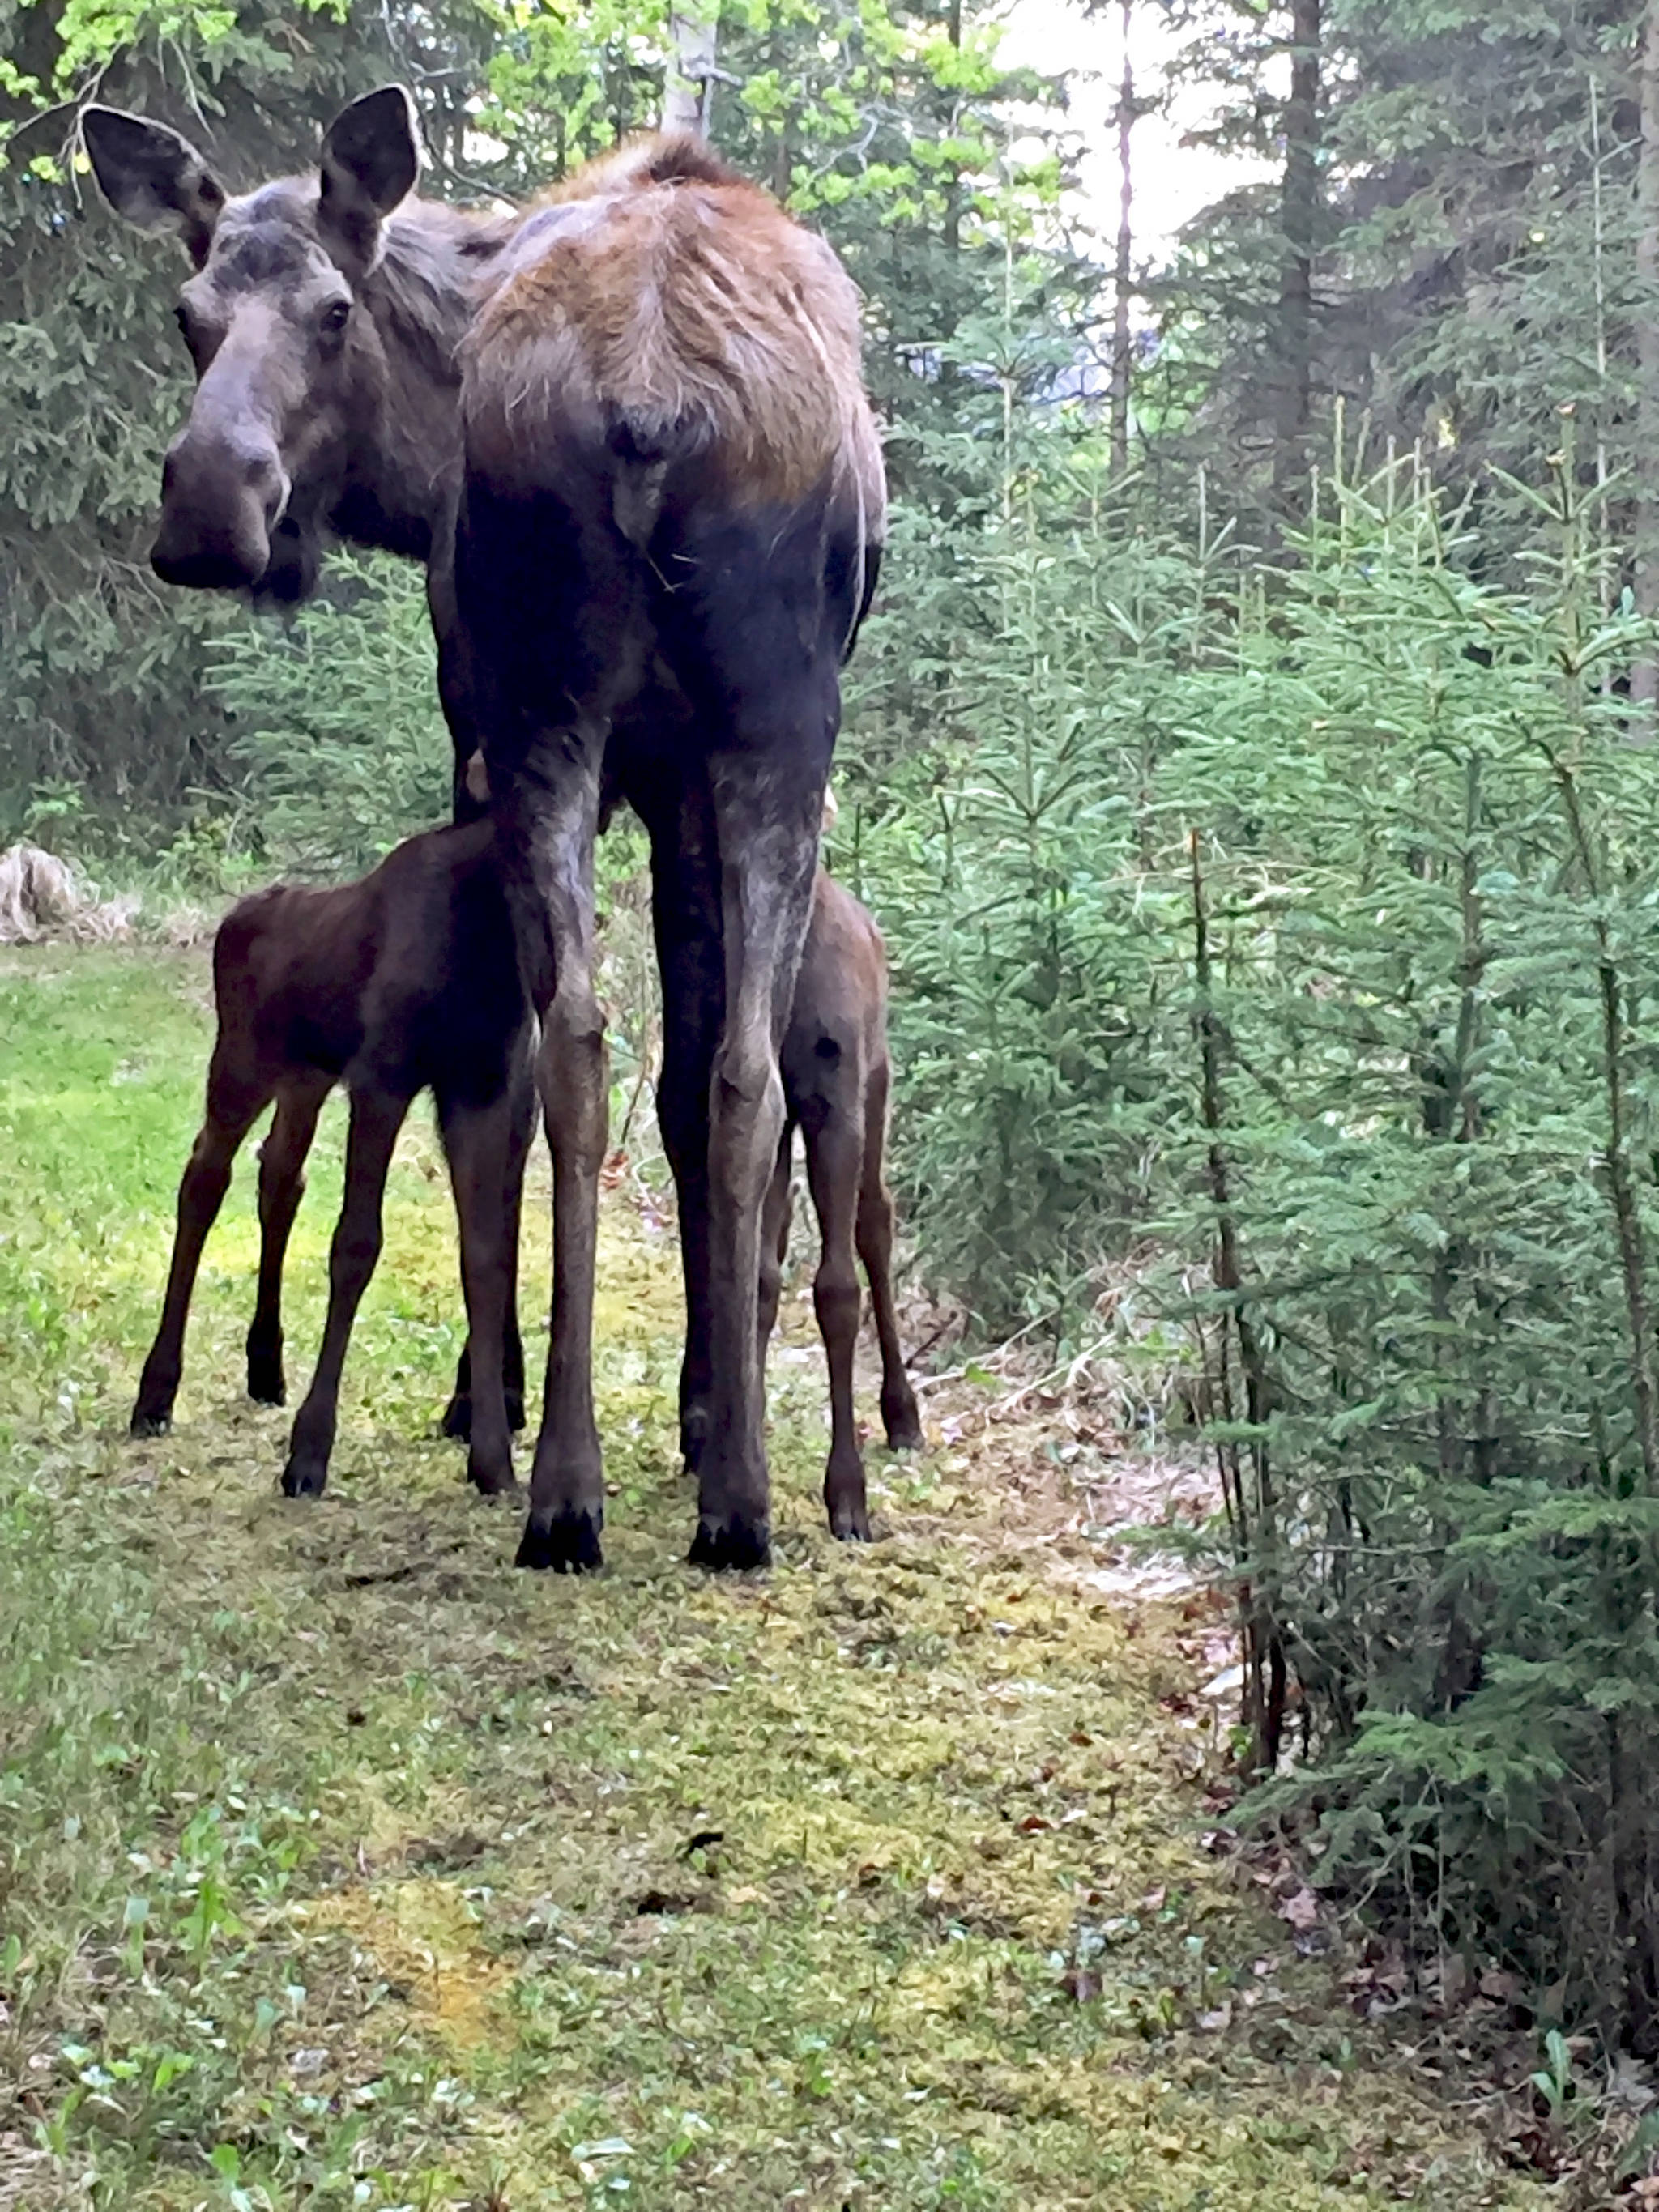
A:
<point x="837" y="1078"/>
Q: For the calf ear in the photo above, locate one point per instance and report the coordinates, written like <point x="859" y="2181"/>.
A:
<point x="371" y="158"/>
<point x="153" y="177"/>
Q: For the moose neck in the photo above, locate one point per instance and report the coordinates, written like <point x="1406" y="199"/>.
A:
<point x="406" y="468"/>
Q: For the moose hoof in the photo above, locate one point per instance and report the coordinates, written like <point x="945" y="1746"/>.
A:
<point x="265" y="1386"/>
<point x="491" y="1480"/>
<point x="562" y="1543"/>
<point x="150" y="1422"/>
<point x="457" y="1422"/>
<point x="300" y="1482"/>
<point x="732" y="1547"/>
<point x="850" y="1525"/>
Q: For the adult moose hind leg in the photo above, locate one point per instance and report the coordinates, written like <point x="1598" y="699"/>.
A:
<point x="234" y="1099"/>
<point x="762" y="602"/>
<point x="550" y="597"/>
<point x="282" y="1186"/>
<point x="555" y="807"/>
<point x="767" y="812"/>
<point x="685" y="920"/>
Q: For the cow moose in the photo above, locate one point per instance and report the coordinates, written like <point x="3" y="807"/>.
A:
<point x="625" y="430"/>
<point x="403" y="981"/>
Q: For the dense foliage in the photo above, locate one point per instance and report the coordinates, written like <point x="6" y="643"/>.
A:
<point x="1264" y="830"/>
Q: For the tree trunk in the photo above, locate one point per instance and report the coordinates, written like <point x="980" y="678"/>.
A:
<point x="1299" y="225"/>
<point x="952" y="232"/>
<point x="1121" y="339"/>
<point x="1644" y="676"/>
<point x="689" y="88"/>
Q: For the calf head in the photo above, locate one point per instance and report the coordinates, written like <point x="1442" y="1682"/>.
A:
<point x="290" y="374"/>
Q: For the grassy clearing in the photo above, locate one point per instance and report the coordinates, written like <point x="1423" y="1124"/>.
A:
<point x="340" y="1865"/>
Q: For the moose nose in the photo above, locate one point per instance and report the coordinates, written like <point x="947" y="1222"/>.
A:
<point x="221" y="499"/>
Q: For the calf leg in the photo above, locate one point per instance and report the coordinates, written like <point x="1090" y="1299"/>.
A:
<point x="775" y="1240"/>
<point x="833" y="1166"/>
<point x="282" y="1186"/>
<point x="477" y="1142"/>
<point x="231" y="1105"/>
<point x="458" y="1413"/>
<point x="875" y="1244"/>
<point x="376" y="1117"/>
<point x="524" y="1120"/>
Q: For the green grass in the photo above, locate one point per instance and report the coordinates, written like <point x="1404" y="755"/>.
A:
<point x="340" y="1865"/>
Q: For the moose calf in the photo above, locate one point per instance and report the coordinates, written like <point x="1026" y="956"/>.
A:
<point x="405" y="981"/>
<point x="836" y="1077"/>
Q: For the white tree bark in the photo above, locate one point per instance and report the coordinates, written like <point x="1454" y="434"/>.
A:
<point x="690" y="85"/>
<point x="1645" y="677"/>
<point x="1121" y="342"/>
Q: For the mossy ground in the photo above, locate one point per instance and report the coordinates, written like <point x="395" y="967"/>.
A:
<point x="342" y="1865"/>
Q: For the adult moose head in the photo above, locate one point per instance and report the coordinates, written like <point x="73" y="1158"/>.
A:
<point x="305" y="420"/>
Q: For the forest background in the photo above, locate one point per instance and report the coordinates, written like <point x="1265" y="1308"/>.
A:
<point x="1251" y="762"/>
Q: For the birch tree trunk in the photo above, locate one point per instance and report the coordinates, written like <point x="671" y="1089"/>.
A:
<point x="1644" y="676"/>
<point x="689" y="88"/>
<point x="1121" y="337"/>
<point x="1299" y="220"/>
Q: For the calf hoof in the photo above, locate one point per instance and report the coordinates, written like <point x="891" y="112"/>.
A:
<point x="266" y="1375"/>
<point x="562" y="1543"/>
<point x="732" y="1547"/>
<point x="903" y="1427"/>
<point x="150" y="1420"/>
<point x="850" y="1524"/>
<point x="301" y="1480"/>
<point x="491" y="1479"/>
<point x="458" y="1416"/>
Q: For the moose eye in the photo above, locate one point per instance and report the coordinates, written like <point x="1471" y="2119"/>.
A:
<point x="334" y="318"/>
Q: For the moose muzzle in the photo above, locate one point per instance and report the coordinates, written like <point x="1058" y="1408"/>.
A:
<point x="222" y="493"/>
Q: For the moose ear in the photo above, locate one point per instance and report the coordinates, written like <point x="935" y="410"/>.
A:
<point x="153" y="177"/>
<point x="371" y="158"/>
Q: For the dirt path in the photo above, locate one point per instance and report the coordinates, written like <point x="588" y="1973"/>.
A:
<point x="344" y="1866"/>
